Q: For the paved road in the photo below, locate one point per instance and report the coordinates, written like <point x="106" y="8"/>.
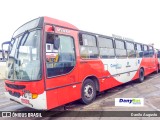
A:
<point x="149" y="90"/>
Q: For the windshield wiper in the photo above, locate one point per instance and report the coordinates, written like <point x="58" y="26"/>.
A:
<point x="20" y="41"/>
<point x="11" y="45"/>
<point x="25" y="40"/>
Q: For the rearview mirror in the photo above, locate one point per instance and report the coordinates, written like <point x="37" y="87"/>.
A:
<point x="3" y="51"/>
<point x="56" y="42"/>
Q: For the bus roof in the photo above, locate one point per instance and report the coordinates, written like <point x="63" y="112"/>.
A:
<point x="59" y="23"/>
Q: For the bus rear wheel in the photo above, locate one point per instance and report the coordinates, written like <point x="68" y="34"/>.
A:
<point x="157" y="71"/>
<point x="141" y="75"/>
<point x="88" y="92"/>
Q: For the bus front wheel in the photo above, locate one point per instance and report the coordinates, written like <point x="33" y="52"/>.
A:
<point x="88" y="92"/>
<point x="157" y="70"/>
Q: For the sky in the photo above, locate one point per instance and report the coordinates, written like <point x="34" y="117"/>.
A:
<point x="135" y="19"/>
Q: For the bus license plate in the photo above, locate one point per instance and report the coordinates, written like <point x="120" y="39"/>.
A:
<point x="25" y="101"/>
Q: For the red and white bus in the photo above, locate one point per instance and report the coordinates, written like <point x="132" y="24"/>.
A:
<point x="82" y="64"/>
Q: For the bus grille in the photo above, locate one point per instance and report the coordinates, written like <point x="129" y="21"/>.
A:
<point x="17" y="87"/>
<point x="15" y="94"/>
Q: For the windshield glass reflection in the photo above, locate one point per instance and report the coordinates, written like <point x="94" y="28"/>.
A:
<point x="24" y="57"/>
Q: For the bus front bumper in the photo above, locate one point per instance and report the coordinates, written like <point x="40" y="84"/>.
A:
<point x="38" y="103"/>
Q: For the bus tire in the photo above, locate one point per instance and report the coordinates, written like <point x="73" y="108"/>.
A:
<point x="157" y="70"/>
<point x="88" y="92"/>
<point x="141" y="76"/>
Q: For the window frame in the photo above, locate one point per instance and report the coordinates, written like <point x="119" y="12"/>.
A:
<point x="50" y="78"/>
<point x="130" y="42"/>
<point x="158" y="54"/>
<point x="120" y="41"/>
<point x="148" y="55"/>
<point x="151" y="54"/>
<point x="144" y="47"/>
<point x="113" y="46"/>
<point x="140" y="46"/>
<point x="80" y="39"/>
<point x="119" y="57"/>
<point x="40" y="53"/>
<point x="137" y="50"/>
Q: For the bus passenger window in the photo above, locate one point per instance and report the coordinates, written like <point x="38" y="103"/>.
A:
<point x="151" y="51"/>
<point x="146" y="51"/>
<point x="158" y="54"/>
<point x="106" y="47"/>
<point x="120" y="49"/>
<point x="139" y="51"/>
<point x="88" y="46"/>
<point x="130" y="50"/>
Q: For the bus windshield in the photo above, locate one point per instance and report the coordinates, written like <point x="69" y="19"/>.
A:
<point x="24" y="58"/>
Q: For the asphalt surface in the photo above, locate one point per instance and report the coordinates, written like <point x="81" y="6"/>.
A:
<point x="105" y="101"/>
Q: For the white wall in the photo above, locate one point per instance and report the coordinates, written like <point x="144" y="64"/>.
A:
<point x="2" y="70"/>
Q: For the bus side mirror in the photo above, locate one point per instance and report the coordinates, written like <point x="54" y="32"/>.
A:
<point x="3" y="51"/>
<point x="56" y="42"/>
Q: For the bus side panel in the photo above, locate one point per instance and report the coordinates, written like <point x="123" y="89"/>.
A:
<point x="68" y="94"/>
<point x="140" y="64"/>
<point x="149" y="65"/>
<point x="61" y="96"/>
<point x="145" y="64"/>
<point x="74" y="92"/>
<point x="52" y="100"/>
<point x="154" y="63"/>
<point x="108" y="83"/>
<point x="90" y="67"/>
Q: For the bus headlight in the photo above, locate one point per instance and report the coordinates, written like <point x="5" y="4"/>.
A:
<point x="30" y="95"/>
<point x="27" y="95"/>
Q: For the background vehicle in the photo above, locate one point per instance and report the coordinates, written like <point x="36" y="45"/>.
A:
<point x="84" y="63"/>
<point x="158" y="58"/>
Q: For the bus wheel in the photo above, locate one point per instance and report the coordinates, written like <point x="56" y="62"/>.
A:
<point x="157" y="71"/>
<point x="88" y="92"/>
<point x="141" y="75"/>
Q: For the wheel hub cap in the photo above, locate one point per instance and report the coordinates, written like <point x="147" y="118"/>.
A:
<point x="88" y="91"/>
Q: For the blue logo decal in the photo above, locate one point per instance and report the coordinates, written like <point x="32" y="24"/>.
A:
<point x="117" y="66"/>
<point x="113" y="65"/>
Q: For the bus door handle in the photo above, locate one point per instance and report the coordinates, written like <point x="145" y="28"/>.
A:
<point x="83" y="62"/>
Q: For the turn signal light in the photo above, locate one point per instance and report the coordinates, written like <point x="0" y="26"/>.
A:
<point x="34" y="96"/>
